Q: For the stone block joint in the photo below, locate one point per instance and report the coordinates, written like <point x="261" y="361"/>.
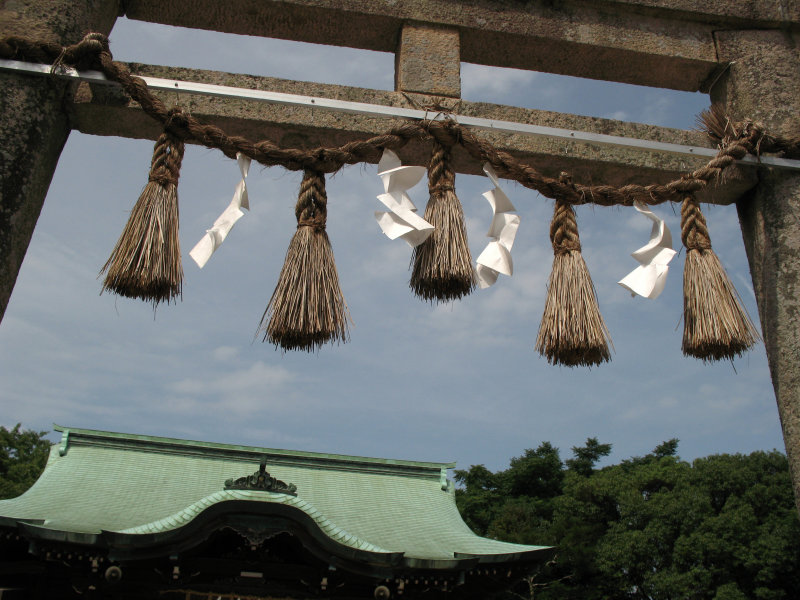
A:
<point x="428" y="60"/>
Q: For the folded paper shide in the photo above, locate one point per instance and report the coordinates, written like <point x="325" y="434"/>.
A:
<point x="402" y="220"/>
<point x="496" y="257"/>
<point x="649" y="278"/>
<point x="222" y="226"/>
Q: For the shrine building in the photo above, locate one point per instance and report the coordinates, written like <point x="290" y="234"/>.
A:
<point x="132" y="516"/>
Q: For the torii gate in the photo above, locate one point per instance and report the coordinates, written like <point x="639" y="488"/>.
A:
<point x="743" y="53"/>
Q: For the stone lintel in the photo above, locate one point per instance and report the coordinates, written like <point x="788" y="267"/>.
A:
<point x="309" y="128"/>
<point x="643" y="42"/>
<point x="428" y="60"/>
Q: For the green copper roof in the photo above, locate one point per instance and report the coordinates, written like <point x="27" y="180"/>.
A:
<point x="139" y="485"/>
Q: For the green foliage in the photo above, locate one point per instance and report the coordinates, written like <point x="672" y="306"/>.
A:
<point x="23" y="455"/>
<point x="536" y="476"/>
<point x="724" y="527"/>
<point x="586" y="458"/>
<point x="538" y="473"/>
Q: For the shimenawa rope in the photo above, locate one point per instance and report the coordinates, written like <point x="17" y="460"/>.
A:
<point x="310" y="245"/>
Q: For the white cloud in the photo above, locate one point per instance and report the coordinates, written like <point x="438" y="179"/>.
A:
<point x="225" y="353"/>
<point x="492" y="84"/>
<point x="176" y="46"/>
<point x="255" y="380"/>
<point x="618" y="115"/>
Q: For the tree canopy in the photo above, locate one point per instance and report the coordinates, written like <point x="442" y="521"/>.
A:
<point x="23" y="454"/>
<point x="723" y="527"/>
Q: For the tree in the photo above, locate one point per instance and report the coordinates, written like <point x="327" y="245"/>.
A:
<point x="23" y="454"/>
<point x="587" y="456"/>
<point x="723" y="527"/>
<point x="498" y="504"/>
<point x="521" y="504"/>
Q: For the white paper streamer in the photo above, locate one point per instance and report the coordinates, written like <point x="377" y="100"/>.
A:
<point x="496" y="257"/>
<point x="648" y="279"/>
<point x="222" y="226"/>
<point x="402" y="220"/>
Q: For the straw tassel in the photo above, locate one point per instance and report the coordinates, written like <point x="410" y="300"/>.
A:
<point x="715" y="325"/>
<point x="572" y="331"/>
<point x="146" y="261"/>
<point x="716" y="125"/>
<point x="442" y="264"/>
<point x="307" y="308"/>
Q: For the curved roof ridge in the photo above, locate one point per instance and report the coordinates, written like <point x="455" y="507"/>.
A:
<point x="188" y="514"/>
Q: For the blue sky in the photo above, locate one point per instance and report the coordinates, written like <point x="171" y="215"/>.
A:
<point x="449" y="382"/>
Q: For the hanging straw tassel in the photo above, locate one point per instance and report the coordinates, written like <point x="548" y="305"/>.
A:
<point x="715" y="325"/>
<point x="572" y="331"/>
<point x="146" y="262"/>
<point x="442" y="264"/>
<point x="307" y="308"/>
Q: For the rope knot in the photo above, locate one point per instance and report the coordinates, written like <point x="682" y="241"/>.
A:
<point x="83" y="55"/>
<point x="446" y="132"/>
<point x="688" y="183"/>
<point x="93" y="43"/>
<point x="563" y="190"/>
<point x="754" y="135"/>
<point x="441" y="188"/>
<point x="453" y="129"/>
<point x="176" y="122"/>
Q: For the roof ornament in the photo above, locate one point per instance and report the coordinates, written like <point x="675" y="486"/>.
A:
<point x="261" y="481"/>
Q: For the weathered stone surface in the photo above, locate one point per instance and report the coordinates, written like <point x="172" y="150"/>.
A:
<point x="33" y="122"/>
<point x="309" y="128"/>
<point x="732" y="12"/>
<point x="29" y="151"/>
<point x="428" y="60"/>
<point x="653" y="45"/>
<point x="770" y="214"/>
<point x="59" y="21"/>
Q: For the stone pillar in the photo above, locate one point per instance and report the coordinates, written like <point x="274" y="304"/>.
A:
<point x="428" y="61"/>
<point x="763" y="84"/>
<point x="33" y="123"/>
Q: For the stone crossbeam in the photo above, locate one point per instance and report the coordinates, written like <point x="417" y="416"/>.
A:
<point x="97" y="110"/>
<point x="658" y="43"/>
